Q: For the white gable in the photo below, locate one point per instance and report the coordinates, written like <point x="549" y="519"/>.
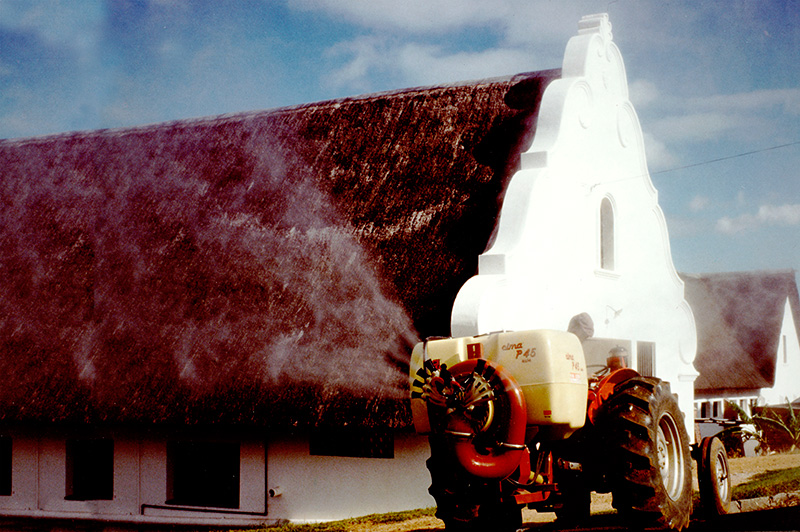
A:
<point x="787" y="364"/>
<point x="581" y="230"/>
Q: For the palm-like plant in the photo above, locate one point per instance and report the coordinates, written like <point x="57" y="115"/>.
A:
<point x="772" y="429"/>
<point x="746" y="428"/>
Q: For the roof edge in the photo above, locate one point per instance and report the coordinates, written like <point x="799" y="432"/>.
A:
<point x="210" y="119"/>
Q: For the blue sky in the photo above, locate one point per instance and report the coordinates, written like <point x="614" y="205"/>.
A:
<point x="716" y="84"/>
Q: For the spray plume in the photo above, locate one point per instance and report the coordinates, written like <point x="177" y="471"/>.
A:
<point x="147" y="274"/>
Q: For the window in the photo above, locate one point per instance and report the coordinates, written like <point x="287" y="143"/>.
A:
<point x="5" y="465"/>
<point x="353" y="442"/>
<point x="203" y="473"/>
<point x="646" y="358"/>
<point x="90" y="469"/>
<point x="785" y="353"/>
<point x="606" y="235"/>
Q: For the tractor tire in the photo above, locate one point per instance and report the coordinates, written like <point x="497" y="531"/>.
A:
<point x="713" y="478"/>
<point x="576" y="506"/>
<point x="465" y="502"/>
<point x="646" y="451"/>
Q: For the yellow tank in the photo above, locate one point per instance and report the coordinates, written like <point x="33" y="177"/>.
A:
<point x="548" y="365"/>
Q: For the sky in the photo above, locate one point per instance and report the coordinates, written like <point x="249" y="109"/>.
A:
<point x="716" y="84"/>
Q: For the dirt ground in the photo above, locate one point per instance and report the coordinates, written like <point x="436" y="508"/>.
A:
<point x="744" y="468"/>
<point x="741" y="470"/>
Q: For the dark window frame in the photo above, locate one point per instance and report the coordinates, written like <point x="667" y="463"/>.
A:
<point x="352" y="442"/>
<point x="785" y="350"/>
<point x="6" y="465"/>
<point x="204" y="473"/>
<point x="89" y="469"/>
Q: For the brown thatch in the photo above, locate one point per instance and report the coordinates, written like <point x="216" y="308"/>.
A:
<point x="262" y="268"/>
<point x="739" y="317"/>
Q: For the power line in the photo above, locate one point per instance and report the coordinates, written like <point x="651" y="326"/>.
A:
<point x="702" y="163"/>
<point x="727" y="158"/>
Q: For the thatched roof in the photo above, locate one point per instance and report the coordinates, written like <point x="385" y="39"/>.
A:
<point x="739" y="317"/>
<point x="266" y="268"/>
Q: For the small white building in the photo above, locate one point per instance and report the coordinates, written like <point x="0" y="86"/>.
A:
<point x="748" y="349"/>
<point x="209" y="321"/>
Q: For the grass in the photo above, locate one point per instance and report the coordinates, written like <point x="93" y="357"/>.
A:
<point x="769" y="483"/>
<point x="347" y="524"/>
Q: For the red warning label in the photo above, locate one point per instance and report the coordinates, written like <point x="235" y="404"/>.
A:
<point x="474" y="350"/>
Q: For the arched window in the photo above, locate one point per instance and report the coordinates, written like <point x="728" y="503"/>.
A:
<point x="606" y="235"/>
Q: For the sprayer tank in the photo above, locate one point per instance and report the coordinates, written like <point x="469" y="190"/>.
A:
<point x="548" y="365"/>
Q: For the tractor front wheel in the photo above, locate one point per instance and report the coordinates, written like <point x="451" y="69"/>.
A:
<point x="465" y="502"/>
<point x="646" y="448"/>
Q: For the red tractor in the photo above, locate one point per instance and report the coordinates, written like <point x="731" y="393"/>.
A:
<point x="515" y="420"/>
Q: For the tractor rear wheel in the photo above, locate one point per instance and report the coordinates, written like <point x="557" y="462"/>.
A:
<point x="713" y="478"/>
<point x="646" y="449"/>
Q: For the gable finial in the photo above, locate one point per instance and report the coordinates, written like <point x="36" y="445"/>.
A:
<point x="597" y="23"/>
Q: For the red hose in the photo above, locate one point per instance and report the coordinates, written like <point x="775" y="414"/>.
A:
<point x="499" y="461"/>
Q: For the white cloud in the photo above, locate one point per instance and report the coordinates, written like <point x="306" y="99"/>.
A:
<point x="410" y="64"/>
<point x="429" y="64"/>
<point x="419" y="16"/>
<point x="698" y="126"/>
<point x="643" y="92"/>
<point x="767" y="215"/>
<point x="780" y="100"/>
<point x="517" y="22"/>
<point x="699" y="203"/>
<point x="76" y="25"/>
<point x="741" y="198"/>
<point x="727" y="123"/>
<point x="745" y="116"/>
<point x="546" y="23"/>
<point x="731" y="226"/>
<point x="659" y="156"/>
<point x="364" y="55"/>
<point x="686" y="227"/>
<point x="780" y="214"/>
<point x="411" y="43"/>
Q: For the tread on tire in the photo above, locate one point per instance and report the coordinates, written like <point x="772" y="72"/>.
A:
<point x="646" y="449"/>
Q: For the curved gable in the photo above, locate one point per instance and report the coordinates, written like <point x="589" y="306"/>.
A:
<point x="548" y="262"/>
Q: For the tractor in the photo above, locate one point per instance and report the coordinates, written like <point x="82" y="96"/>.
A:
<point x="517" y="419"/>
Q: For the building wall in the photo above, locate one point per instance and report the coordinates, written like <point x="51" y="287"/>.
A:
<point x="306" y="487"/>
<point x="787" y="365"/>
<point x="40" y="485"/>
<point x="321" y="488"/>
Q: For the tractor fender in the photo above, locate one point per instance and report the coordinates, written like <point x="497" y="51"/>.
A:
<point x="605" y="388"/>
<point x="502" y="459"/>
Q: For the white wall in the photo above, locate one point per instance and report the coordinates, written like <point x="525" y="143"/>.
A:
<point x="322" y="488"/>
<point x="313" y="488"/>
<point x="25" y="478"/>
<point x="787" y="364"/>
<point x="140" y="478"/>
<point x="544" y="265"/>
<point x="52" y="480"/>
